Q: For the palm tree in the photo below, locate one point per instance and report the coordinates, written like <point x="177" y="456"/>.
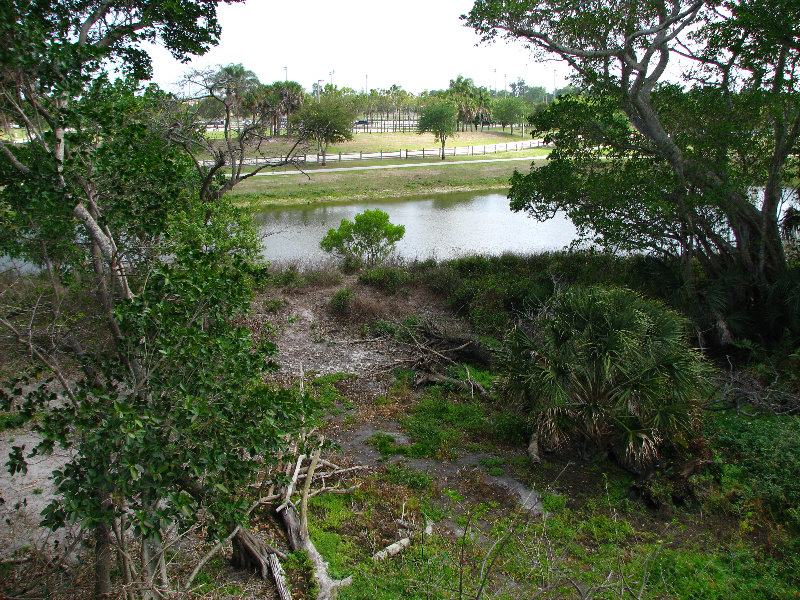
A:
<point x="292" y="97"/>
<point x="462" y="91"/>
<point x="606" y="367"/>
<point x="233" y="83"/>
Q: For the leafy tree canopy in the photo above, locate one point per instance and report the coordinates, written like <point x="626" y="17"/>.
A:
<point x="697" y="171"/>
<point x="368" y="239"/>
<point x="327" y="121"/>
<point x="440" y="119"/>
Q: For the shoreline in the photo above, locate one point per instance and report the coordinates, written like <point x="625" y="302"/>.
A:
<point x="259" y="203"/>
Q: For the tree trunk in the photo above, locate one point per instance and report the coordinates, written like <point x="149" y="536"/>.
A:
<point x="103" y="562"/>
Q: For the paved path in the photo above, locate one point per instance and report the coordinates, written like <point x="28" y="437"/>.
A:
<point x="440" y="163"/>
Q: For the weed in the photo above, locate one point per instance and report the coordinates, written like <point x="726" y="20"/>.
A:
<point x="273" y="305"/>
<point x="12" y="420"/>
<point x="553" y="502"/>
<point x="410" y="478"/>
<point x="324" y="388"/>
<point x="384" y="443"/>
<point x="387" y="279"/>
<point x="341" y="302"/>
<point x="493" y="462"/>
<point x="300" y="573"/>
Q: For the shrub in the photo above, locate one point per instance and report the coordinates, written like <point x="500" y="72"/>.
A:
<point x="368" y="239"/>
<point x="385" y="279"/>
<point x="340" y="302"/>
<point x="607" y="367"/>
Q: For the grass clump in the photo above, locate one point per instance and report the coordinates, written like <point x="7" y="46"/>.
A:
<point x="389" y="280"/>
<point x="438" y="424"/>
<point x="407" y="477"/>
<point x="341" y="302"/>
<point x="300" y="574"/>
<point x="325" y="390"/>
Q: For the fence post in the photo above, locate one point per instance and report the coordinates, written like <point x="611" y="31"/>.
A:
<point x="381" y="154"/>
<point x="340" y="157"/>
<point x="360" y="154"/>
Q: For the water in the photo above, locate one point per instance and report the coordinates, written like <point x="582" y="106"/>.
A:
<point x="440" y="226"/>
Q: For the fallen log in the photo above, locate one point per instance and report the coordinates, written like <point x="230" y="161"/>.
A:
<point x="392" y="549"/>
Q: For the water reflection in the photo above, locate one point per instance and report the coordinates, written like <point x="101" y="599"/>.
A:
<point x="441" y="226"/>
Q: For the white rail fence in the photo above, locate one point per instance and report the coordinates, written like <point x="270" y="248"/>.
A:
<point x="395" y="154"/>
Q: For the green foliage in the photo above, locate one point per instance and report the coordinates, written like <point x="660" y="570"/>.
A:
<point x="761" y="460"/>
<point x="205" y="396"/>
<point x="340" y="302"/>
<point x="508" y="111"/>
<point x="440" y="119"/>
<point x="410" y="478"/>
<point x="607" y="367"/>
<point x="369" y="238"/>
<point x="553" y="502"/>
<point x="437" y="424"/>
<point x="387" y="279"/>
<point x="9" y="420"/>
<point x="384" y="443"/>
<point x="328" y="121"/>
<point x="324" y="389"/>
<point x="695" y="170"/>
<point x="300" y="573"/>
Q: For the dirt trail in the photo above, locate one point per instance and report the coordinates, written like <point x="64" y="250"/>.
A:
<point x="311" y="338"/>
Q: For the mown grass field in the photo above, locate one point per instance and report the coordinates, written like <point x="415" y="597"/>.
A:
<point x="318" y="184"/>
<point x="375" y="142"/>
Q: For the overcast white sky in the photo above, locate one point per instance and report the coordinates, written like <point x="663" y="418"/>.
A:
<point x="417" y="44"/>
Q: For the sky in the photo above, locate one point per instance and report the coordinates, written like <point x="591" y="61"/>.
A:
<point x="416" y="44"/>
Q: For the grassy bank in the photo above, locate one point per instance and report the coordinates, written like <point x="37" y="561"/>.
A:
<point x="322" y="186"/>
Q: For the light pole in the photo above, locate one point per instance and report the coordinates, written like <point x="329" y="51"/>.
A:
<point x="331" y="74"/>
<point x="366" y="84"/>
<point x="285" y="73"/>
<point x="319" y="90"/>
<point x="495" y="82"/>
<point x="505" y="85"/>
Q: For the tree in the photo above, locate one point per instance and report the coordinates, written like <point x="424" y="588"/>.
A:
<point x="438" y="118"/>
<point x="237" y="85"/>
<point x="368" y="239"/>
<point x="462" y="92"/>
<point x="508" y="111"/>
<point x="606" y="367"/>
<point x="697" y="174"/>
<point x="146" y="272"/>
<point x="328" y="121"/>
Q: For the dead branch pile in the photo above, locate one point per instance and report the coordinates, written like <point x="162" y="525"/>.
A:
<point x="434" y="348"/>
<point x="747" y="395"/>
<point x="300" y="474"/>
